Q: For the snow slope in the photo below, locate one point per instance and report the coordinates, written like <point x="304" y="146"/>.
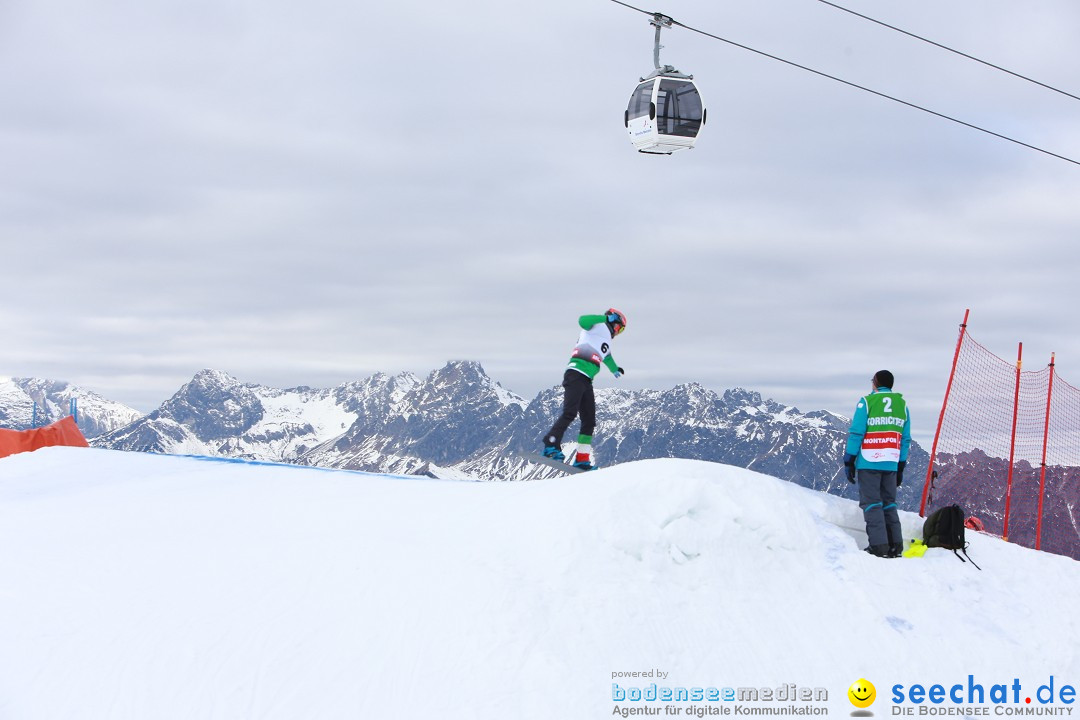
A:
<point x="147" y="586"/>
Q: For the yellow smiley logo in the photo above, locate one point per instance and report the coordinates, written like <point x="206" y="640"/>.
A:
<point x="862" y="693"/>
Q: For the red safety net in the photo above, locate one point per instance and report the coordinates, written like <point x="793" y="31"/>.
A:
<point x="1007" y="450"/>
<point x="61" y="432"/>
<point x="1060" y="516"/>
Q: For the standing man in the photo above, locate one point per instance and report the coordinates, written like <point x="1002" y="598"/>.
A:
<point x="877" y="450"/>
<point x="593" y="349"/>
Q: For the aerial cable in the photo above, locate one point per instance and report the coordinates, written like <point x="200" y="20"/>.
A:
<point x="946" y="47"/>
<point x="861" y="87"/>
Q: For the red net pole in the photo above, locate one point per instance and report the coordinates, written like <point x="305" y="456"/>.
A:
<point x="1042" y="473"/>
<point x="941" y="417"/>
<point x="1012" y="442"/>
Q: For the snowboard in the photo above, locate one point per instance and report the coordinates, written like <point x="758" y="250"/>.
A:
<point x="559" y="465"/>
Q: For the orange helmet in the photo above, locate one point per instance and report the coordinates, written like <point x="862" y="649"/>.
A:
<point x="616" y="321"/>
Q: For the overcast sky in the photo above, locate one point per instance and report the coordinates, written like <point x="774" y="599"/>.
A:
<point x="305" y="194"/>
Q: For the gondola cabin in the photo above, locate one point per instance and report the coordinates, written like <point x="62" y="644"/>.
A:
<point x="665" y="114"/>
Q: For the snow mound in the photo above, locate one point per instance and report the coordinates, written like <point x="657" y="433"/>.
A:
<point x="138" y="586"/>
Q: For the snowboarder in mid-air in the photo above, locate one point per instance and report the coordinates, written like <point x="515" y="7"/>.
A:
<point x="593" y="349"/>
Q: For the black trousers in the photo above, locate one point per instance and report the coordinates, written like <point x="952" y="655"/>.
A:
<point x="578" y="399"/>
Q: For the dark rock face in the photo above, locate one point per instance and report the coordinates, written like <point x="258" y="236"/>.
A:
<point x="214" y="405"/>
<point x="980" y="484"/>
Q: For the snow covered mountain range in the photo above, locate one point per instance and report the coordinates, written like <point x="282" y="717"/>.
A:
<point x="97" y="415"/>
<point x="458" y="422"/>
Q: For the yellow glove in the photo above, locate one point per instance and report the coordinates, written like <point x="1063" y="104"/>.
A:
<point x="917" y="549"/>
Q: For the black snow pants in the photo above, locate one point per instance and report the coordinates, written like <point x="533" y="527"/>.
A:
<point x="578" y="399"/>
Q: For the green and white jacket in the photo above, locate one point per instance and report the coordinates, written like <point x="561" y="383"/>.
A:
<point x="593" y="347"/>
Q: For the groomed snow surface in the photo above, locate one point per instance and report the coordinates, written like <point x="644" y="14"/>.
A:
<point x="152" y="587"/>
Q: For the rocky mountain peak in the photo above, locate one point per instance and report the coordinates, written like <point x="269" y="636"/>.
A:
<point x="459" y="380"/>
<point x="741" y="397"/>
<point x="213" y="403"/>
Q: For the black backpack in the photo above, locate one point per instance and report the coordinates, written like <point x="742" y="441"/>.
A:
<point x="944" y="528"/>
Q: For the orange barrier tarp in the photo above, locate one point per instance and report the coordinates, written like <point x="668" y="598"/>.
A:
<point x="61" y="432"/>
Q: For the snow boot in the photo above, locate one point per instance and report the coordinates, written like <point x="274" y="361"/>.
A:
<point x="881" y="551"/>
<point x="896" y="550"/>
<point x="553" y="452"/>
<point x="586" y="465"/>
